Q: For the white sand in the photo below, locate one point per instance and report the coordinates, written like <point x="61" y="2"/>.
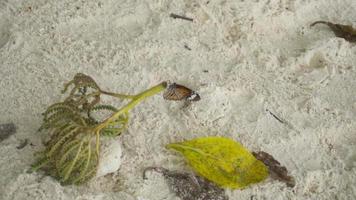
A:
<point x="260" y="54"/>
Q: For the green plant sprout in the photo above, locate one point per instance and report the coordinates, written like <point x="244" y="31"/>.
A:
<point x="71" y="155"/>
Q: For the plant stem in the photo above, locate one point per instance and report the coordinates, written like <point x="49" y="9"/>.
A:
<point x="123" y="96"/>
<point x="135" y="100"/>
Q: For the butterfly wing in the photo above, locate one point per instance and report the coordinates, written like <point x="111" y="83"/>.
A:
<point x="177" y="92"/>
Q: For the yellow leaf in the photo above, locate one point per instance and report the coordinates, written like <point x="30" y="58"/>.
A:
<point x="222" y="161"/>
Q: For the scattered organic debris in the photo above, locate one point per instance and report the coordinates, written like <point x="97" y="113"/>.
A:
<point x="342" y="31"/>
<point x="187" y="47"/>
<point x="175" y="16"/>
<point x="23" y="144"/>
<point x="188" y="186"/>
<point x="71" y="154"/>
<point x="177" y="92"/>
<point x="222" y="161"/>
<point x="275" y="116"/>
<point x="276" y="171"/>
<point x="6" y="130"/>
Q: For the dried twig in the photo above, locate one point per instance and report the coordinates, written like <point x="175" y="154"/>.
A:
<point x="175" y="16"/>
<point x="275" y="116"/>
<point x="342" y="31"/>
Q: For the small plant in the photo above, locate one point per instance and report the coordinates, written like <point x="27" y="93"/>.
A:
<point x="71" y="154"/>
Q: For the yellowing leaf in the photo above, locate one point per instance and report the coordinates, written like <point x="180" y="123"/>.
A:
<point x="222" y="161"/>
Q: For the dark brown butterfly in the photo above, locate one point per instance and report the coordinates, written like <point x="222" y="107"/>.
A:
<point x="176" y="92"/>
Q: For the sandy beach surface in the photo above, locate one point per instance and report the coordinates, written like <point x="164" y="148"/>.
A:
<point x="246" y="59"/>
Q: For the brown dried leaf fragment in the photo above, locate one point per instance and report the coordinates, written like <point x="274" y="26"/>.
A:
<point x="189" y="186"/>
<point x="342" y="31"/>
<point x="276" y="171"/>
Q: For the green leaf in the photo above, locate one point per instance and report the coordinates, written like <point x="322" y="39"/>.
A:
<point x="222" y="161"/>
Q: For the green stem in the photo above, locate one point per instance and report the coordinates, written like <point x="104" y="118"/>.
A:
<point x="122" y="96"/>
<point x="136" y="99"/>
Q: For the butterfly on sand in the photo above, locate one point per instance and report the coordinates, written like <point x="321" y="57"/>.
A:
<point x="176" y="92"/>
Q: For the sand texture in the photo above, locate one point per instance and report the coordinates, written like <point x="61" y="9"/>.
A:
<point x="246" y="59"/>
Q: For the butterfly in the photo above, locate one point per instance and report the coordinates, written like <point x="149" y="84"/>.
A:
<point x="176" y="92"/>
